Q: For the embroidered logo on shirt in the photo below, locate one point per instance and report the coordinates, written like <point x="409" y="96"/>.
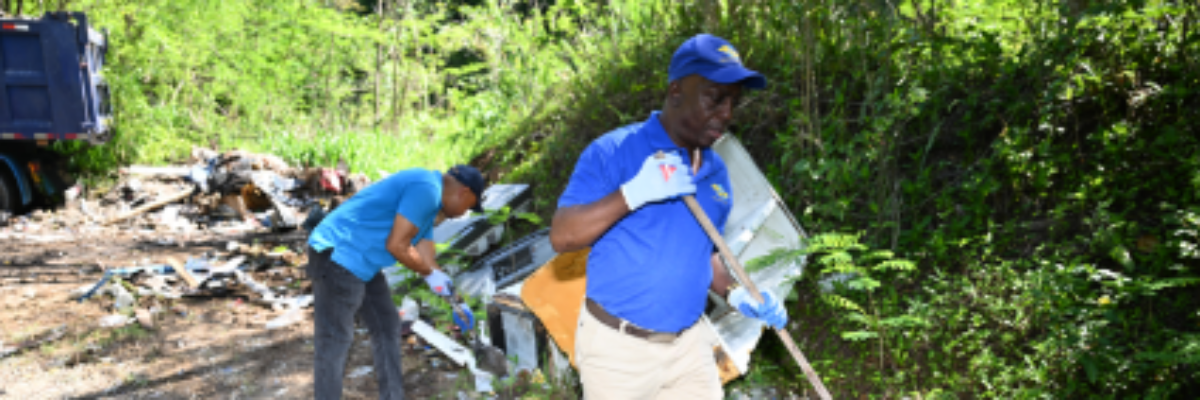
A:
<point x="722" y="195"/>
<point x="667" y="171"/>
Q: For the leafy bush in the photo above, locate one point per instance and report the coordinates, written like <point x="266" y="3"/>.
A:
<point x="1033" y="159"/>
<point x="1036" y="160"/>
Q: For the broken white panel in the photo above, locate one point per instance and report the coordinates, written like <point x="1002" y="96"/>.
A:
<point x="455" y="352"/>
<point x="477" y="283"/>
<point x="758" y="224"/>
<point x="520" y="342"/>
<point x="471" y="234"/>
<point x="515" y="196"/>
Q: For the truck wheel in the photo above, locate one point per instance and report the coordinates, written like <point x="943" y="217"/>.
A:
<point x="10" y="195"/>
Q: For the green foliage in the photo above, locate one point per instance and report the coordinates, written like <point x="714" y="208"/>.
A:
<point x="427" y="84"/>
<point x="1037" y="160"/>
<point x="1007" y="147"/>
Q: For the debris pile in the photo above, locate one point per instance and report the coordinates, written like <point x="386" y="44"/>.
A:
<point x="250" y="275"/>
<point x="221" y="227"/>
<point x="231" y="192"/>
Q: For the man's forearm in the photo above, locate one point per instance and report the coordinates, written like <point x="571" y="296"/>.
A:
<point x="411" y="259"/>
<point x="722" y="281"/>
<point x="576" y="227"/>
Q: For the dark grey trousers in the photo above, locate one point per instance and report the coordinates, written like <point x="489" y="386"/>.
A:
<point x="338" y="295"/>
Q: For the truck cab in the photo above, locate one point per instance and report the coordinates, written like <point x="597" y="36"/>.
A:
<point x="51" y="89"/>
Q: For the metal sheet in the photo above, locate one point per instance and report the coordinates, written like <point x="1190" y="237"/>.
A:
<point x="758" y="224"/>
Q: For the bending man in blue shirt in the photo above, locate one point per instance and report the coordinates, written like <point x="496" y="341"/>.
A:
<point x="651" y="264"/>
<point x="390" y="221"/>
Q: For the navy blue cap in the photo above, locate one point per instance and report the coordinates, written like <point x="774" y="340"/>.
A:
<point x="469" y="176"/>
<point x="713" y="58"/>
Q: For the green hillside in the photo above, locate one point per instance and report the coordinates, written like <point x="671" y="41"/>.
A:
<point x="1038" y="161"/>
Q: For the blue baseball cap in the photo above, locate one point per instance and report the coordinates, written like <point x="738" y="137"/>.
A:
<point x="472" y="179"/>
<point x="713" y="58"/>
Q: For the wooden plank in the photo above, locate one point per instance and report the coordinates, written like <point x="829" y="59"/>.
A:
<point x="187" y="276"/>
<point x="143" y="209"/>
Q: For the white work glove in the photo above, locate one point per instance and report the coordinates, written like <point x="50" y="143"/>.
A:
<point x="440" y="283"/>
<point x="771" y="310"/>
<point x="660" y="179"/>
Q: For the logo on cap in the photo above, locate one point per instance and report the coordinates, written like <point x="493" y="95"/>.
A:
<point x="729" y="51"/>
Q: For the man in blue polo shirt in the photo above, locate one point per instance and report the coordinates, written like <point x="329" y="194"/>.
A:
<point x="651" y="264"/>
<point x="390" y="221"/>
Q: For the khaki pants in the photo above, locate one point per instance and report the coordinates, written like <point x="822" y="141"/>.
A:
<point x="615" y="365"/>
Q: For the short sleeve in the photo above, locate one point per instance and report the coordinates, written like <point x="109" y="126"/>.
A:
<point x="419" y="205"/>
<point x="590" y="180"/>
<point x="426" y="234"/>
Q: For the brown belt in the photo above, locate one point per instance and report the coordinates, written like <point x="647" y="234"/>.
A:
<point x="630" y="329"/>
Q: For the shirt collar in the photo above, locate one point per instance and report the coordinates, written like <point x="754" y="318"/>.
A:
<point x="658" y="139"/>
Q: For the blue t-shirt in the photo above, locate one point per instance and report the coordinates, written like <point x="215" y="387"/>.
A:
<point x="357" y="230"/>
<point x="652" y="268"/>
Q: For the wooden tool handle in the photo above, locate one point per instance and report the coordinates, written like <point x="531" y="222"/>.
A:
<point x="736" y="266"/>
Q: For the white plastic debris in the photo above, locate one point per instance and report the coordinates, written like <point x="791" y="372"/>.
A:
<point x="291" y="317"/>
<point x="455" y="352"/>
<point x="409" y="309"/>
<point x="122" y="298"/>
<point x="361" y="371"/>
<point x="114" y="321"/>
<point x="266" y="292"/>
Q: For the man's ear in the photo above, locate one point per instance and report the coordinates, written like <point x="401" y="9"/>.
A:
<point x="675" y="93"/>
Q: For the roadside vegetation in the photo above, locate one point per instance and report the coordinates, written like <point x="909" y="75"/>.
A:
<point x="1036" y="161"/>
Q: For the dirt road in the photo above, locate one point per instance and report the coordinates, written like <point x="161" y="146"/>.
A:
<point x="198" y="347"/>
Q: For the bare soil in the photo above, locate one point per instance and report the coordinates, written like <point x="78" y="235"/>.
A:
<point x="198" y="347"/>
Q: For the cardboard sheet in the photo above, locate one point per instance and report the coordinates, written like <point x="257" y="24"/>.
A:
<point x="555" y="293"/>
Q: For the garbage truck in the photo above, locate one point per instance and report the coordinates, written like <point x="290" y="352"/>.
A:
<point x="51" y="89"/>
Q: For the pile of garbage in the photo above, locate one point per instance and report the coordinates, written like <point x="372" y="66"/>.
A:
<point x="230" y="192"/>
<point x="271" y="278"/>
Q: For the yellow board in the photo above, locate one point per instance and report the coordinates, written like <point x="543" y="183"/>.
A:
<point x="555" y="294"/>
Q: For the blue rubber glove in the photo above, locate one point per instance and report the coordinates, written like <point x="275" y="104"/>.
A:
<point x="659" y="179"/>
<point x="770" y="311"/>
<point x="440" y="283"/>
<point x="463" y="326"/>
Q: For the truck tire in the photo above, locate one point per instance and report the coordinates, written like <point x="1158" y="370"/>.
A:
<point x="10" y="195"/>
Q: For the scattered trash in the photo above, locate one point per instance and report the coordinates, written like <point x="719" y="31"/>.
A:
<point x="460" y="355"/>
<point x="360" y="371"/>
<point x="409" y="310"/>
<point x="122" y="300"/>
<point x="291" y="317"/>
<point x="114" y="321"/>
<point x="217" y="195"/>
<point x="33" y="342"/>
<point x="144" y="318"/>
